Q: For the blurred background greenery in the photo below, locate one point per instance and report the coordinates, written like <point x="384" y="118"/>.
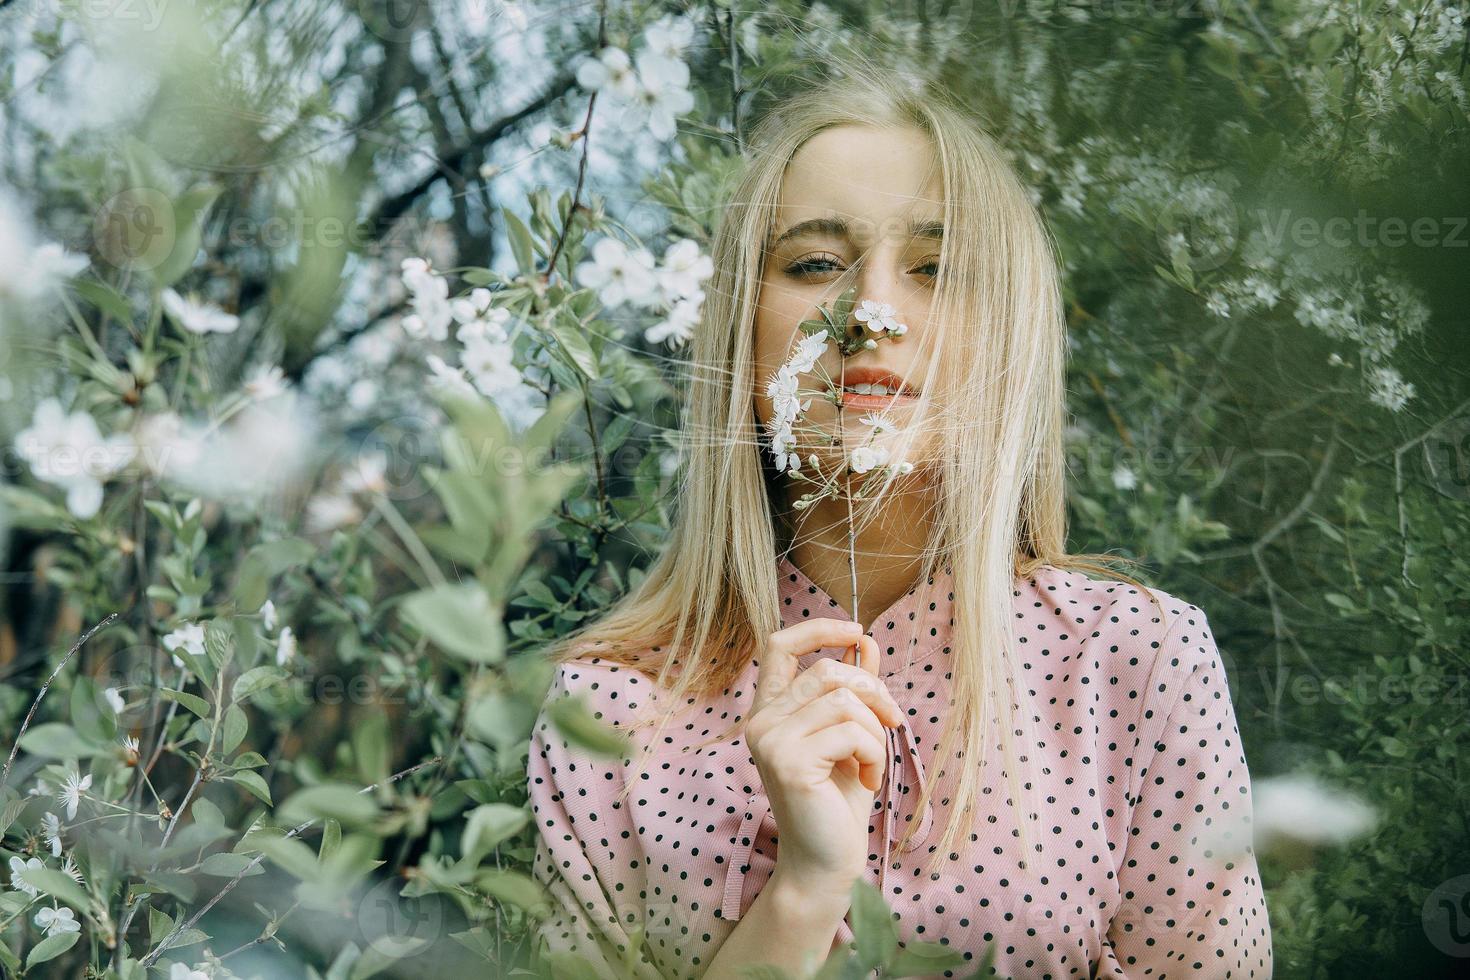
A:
<point x="336" y="513"/>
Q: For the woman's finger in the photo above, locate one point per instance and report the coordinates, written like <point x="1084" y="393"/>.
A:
<point x="848" y="740"/>
<point x="777" y="668"/>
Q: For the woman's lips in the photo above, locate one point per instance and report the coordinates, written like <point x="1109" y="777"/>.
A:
<point x="851" y="399"/>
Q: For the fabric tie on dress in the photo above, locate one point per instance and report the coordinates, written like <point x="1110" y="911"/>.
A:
<point x="897" y="784"/>
<point x="903" y="748"/>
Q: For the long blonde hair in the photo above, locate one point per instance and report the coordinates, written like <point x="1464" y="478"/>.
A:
<point x="711" y="597"/>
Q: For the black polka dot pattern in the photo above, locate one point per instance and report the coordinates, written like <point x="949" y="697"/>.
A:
<point x="1145" y="867"/>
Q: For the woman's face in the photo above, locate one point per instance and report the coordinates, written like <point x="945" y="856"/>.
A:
<point x="851" y="192"/>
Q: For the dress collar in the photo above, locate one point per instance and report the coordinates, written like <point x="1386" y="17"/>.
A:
<point x="915" y="627"/>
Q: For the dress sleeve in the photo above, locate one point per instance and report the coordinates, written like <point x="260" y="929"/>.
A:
<point x="586" y="848"/>
<point x="1191" y="898"/>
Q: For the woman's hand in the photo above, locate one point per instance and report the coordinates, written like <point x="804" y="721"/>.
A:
<point x="818" y="743"/>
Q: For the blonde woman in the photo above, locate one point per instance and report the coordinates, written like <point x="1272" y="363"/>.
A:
<point x="1016" y="754"/>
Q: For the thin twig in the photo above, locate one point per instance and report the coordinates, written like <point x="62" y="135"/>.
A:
<point x="5" y="773"/>
<point x="299" y="829"/>
<point x="585" y="135"/>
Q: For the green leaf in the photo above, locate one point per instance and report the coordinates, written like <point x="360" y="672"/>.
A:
<point x="264" y="562"/>
<point x="235" y="727"/>
<point x="219" y="641"/>
<point x="488" y="826"/>
<point x="370" y="747"/>
<point x="92" y="716"/>
<point x="331" y="839"/>
<point x="227" y="865"/>
<point x="512" y="887"/>
<point x="338" y="800"/>
<point x="193" y="702"/>
<point x="290" y="854"/>
<point x="253" y="782"/>
<point x="160" y="924"/>
<point x="105" y="298"/>
<point x="521" y="245"/>
<point x="459" y="619"/>
<point x="52" y="947"/>
<point x="385" y="951"/>
<point x="872" y="926"/>
<point x="56" y="740"/>
<point x="572" y="718"/>
<point x="571" y="339"/>
<point x="53" y="882"/>
<point x="255" y="680"/>
<point x="924" y="959"/>
<point x="189" y="211"/>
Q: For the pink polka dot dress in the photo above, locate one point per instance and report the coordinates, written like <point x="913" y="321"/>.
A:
<point x="1146" y="867"/>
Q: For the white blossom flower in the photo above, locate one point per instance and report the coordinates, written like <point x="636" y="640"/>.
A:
<point x="190" y="636"/>
<point x="610" y="69"/>
<point x="68" y="451"/>
<point x="374" y="347"/>
<point x="326" y="512"/>
<point x="179" y="971"/>
<point x="285" y="646"/>
<point x="807" y="352"/>
<point x="429" y="298"/>
<point x="50" y="264"/>
<point x="490" y="366"/>
<point x="678" y="325"/>
<point x="1124" y="478"/>
<point x="197" y="316"/>
<point x="669" y="36"/>
<point x="782" y="389"/>
<point x="879" y="317"/>
<point x="368" y="473"/>
<point x="442" y="375"/>
<point x="70" y="869"/>
<point x="619" y="274"/>
<point x="864" y="458"/>
<point x="1388" y="388"/>
<point x="662" y="95"/>
<point x="130" y="749"/>
<point x="880" y="421"/>
<point x="268" y="616"/>
<point x="19" y="883"/>
<point x="362" y="394"/>
<point x="265" y="449"/>
<point x="266" y="381"/>
<point x="783" y="441"/>
<point x="115" y="700"/>
<point x="491" y="327"/>
<point x="167" y="443"/>
<point x="57" y="920"/>
<point x="465" y="309"/>
<point x="684" y="270"/>
<point x="1301" y="807"/>
<point x="515" y="13"/>
<point x="71" y="792"/>
<point x="29" y="271"/>
<point x="51" y="830"/>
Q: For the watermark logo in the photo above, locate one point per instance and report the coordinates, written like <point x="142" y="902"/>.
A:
<point x="1446" y="916"/>
<point x="134" y="229"/>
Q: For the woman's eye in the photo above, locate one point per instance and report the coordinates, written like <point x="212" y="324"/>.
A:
<point x="812" y="266"/>
<point x="930" y="269"/>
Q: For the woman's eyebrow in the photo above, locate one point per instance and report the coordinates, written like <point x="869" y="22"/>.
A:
<point x="839" y="228"/>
